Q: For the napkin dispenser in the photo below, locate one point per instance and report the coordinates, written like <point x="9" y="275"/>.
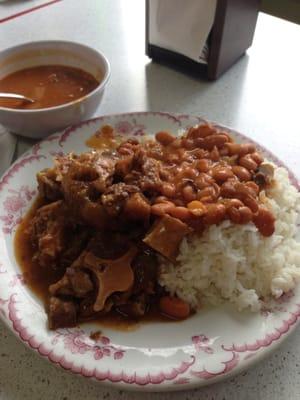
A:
<point x="208" y="48"/>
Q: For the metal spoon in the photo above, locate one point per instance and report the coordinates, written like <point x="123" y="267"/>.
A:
<point x="15" y="96"/>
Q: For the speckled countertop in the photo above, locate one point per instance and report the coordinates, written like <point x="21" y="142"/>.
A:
<point x="24" y="375"/>
<point x="258" y="96"/>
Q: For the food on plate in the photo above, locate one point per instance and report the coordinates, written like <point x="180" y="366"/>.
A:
<point x="48" y="85"/>
<point x="235" y="263"/>
<point x="167" y="222"/>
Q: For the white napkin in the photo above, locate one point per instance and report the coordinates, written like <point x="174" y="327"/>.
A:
<point x="7" y="149"/>
<point x="181" y="26"/>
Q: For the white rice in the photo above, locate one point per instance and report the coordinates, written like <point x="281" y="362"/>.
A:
<point x="235" y="263"/>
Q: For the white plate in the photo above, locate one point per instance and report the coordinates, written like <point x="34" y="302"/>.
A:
<point x="208" y="347"/>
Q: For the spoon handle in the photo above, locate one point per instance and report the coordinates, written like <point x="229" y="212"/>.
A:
<point x="15" y="96"/>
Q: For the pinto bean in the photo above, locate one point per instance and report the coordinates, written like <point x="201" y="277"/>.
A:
<point x="200" y="153"/>
<point x="234" y="215"/>
<point x="208" y="191"/>
<point x="257" y="158"/>
<point x="246" y="189"/>
<point x="202" y="165"/>
<point x="245" y="193"/>
<point x="188" y="143"/>
<point x="197" y="208"/>
<point x="240" y="149"/>
<point x="246" y="148"/>
<point x="199" y="142"/>
<point x="161" y="199"/>
<point x="164" y="138"/>
<point x="181" y="213"/>
<point x="168" y="189"/>
<point x="227" y="135"/>
<point x="248" y="163"/>
<point x="245" y="215"/>
<point x="233" y="148"/>
<point x="203" y="180"/>
<point x="179" y="203"/>
<point x="189" y="193"/>
<point x="221" y="174"/>
<point x="250" y="202"/>
<point x="239" y="214"/>
<point x="214" y="154"/>
<point x="206" y="130"/>
<point x="201" y="131"/>
<point x="216" y="189"/>
<point x="241" y="172"/>
<point x="215" y="213"/>
<point x="253" y="186"/>
<point x="161" y="209"/>
<point x="190" y="172"/>
<point x="165" y="175"/>
<point x="236" y="203"/>
<point x="264" y="221"/>
<point x="242" y="189"/>
<point x="208" y="199"/>
<point x="214" y="140"/>
<point x="228" y="189"/>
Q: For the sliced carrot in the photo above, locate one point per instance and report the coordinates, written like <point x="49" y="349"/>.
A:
<point x="174" y="307"/>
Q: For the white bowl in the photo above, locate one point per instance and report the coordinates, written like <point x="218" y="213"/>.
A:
<point x="41" y="122"/>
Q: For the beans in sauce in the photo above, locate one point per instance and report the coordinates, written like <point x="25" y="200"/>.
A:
<point x="205" y="178"/>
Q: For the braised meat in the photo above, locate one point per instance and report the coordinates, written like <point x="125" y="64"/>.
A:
<point x="145" y="173"/>
<point x="49" y="180"/>
<point x="87" y="177"/>
<point x="49" y="232"/>
<point x="116" y="196"/>
<point x="55" y="237"/>
<point x="75" y="282"/>
<point x="145" y="271"/>
<point x="93" y="283"/>
<point x="48" y="187"/>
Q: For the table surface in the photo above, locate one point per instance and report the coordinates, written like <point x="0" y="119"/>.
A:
<point x="258" y="96"/>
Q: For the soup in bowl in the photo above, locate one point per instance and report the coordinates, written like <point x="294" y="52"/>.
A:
<point x="66" y="80"/>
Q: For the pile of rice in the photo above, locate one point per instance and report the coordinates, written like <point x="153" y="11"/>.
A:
<point x="235" y="263"/>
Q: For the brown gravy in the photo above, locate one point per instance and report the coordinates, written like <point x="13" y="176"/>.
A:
<point x="48" y="85"/>
<point x="38" y="279"/>
<point x="103" y="139"/>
